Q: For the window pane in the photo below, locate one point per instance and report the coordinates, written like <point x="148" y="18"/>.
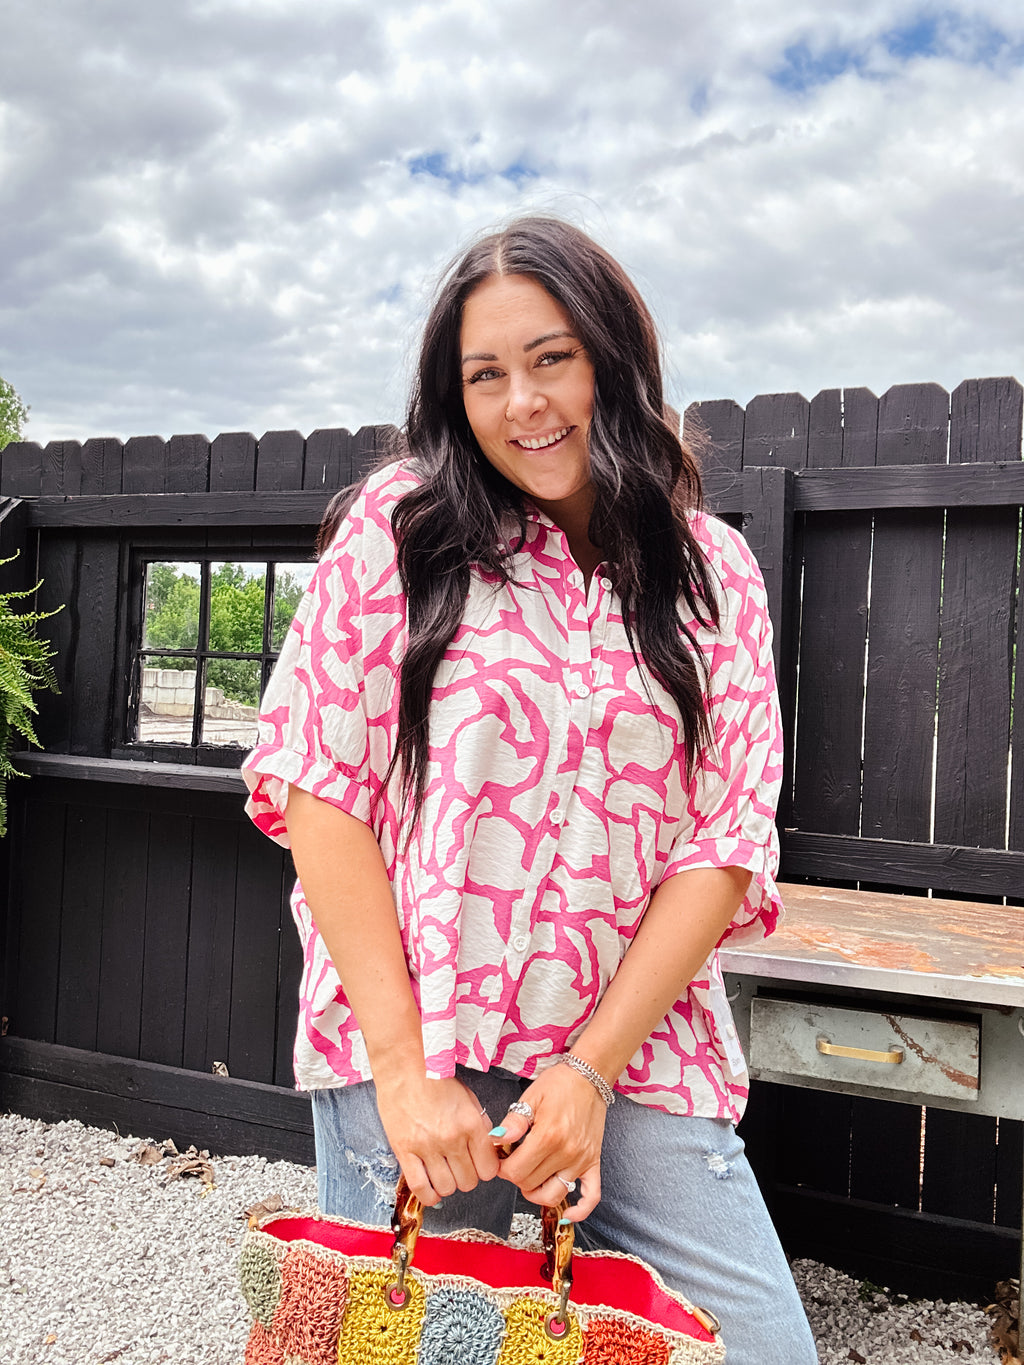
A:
<point x="166" y="700"/>
<point x="237" y="595"/>
<point x="290" y="582"/>
<point x="231" y="704"/>
<point x="172" y="606"/>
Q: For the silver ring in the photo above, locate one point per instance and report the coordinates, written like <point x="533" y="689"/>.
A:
<point x="570" y="1185"/>
<point x="483" y="1113"/>
<point x="521" y="1107"/>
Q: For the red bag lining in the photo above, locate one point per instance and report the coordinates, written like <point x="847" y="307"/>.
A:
<point x="598" y="1280"/>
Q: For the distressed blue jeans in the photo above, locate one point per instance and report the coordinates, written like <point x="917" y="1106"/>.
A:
<point x="677" y="1192"/>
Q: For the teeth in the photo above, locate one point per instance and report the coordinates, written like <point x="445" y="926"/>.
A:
<point x="542" y="441"/>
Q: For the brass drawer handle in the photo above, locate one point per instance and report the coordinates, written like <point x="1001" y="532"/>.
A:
<point x="862" y="1054"/>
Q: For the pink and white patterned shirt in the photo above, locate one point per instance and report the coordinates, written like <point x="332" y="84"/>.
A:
<point x="556" y="802"/>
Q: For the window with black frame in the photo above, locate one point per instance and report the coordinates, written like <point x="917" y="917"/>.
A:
<point x="209" y="634"/>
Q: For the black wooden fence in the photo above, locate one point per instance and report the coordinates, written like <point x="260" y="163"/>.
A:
<point x="147" y="932"/>
<point x="900" y="618"/>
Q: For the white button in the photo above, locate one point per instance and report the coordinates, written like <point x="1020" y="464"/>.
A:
<point x="605" y="582"/>
<point x="558" y="816"/>
<point x="582" y="690"/>
<point x="520" y="942"/>
<point x="730" y="1032"/>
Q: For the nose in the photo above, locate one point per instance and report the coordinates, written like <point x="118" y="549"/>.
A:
<point x="526" y="397"/>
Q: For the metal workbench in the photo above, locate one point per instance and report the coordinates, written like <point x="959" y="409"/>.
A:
<point x="894" y="997"/>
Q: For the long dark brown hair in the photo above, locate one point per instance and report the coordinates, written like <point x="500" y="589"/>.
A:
<point x="644" y="482"/>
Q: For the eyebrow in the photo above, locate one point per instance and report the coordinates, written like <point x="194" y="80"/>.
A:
<point x="530" y="346"/>
<point x="548" y="336"/>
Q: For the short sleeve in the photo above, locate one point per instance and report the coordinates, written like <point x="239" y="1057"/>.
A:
<point x="324" y="711"/>
<point x="736" y="790"/>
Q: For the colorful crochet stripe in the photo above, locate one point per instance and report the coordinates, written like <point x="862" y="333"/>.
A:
<point x="617" y="1343"/>
<point x="314" y="1291"/>
<point x="308" y="1311"/>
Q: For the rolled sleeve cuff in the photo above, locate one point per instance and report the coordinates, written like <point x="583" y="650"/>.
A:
<point x="268" y="773"/>
<point x="762" y="908"/>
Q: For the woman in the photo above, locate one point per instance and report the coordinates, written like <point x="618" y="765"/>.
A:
<point x="523" y="742"/>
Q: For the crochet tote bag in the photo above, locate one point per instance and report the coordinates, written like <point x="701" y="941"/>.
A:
<point x="323" y="1291"/>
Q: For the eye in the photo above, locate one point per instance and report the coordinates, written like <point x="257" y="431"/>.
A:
<point x="553" y="357"/>
<point x="489" y="373"/>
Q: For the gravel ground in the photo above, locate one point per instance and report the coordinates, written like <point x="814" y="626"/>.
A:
<point x="103" y="1259"/>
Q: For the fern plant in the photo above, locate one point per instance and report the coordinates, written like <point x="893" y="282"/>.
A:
<point x="24" y="668"/>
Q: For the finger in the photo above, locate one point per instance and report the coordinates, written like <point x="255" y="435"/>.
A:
<point x="441" y="1178"/>
<point x="482" y="1109"/>
<point x="483" y="1147"/>
<point x="463" y="1170"/>
<point x="484" y="1155"/>
<point x="535" y="1160"/>
<point x="512" y="1128"/>
<point x="589" y="1185"/>
<point x="550" y="1191"/>
<point x="419" y="1182"/>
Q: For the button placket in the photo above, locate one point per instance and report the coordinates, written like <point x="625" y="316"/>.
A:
<point x="580" y="650"/>
<point x="598" y="613"/>
<point x="570" y="589"/>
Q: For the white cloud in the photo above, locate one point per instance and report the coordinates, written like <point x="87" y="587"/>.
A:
<point x="224" y="215"/>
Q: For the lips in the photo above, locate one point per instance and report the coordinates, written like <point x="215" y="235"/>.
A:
<point x="540" y="442"/>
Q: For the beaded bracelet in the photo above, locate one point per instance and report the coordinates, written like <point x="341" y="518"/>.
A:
<point x="594" y="1077"/>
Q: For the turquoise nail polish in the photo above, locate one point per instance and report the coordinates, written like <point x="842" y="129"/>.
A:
<point x="496" y="1132"/>
<point x="564" y="1222"/>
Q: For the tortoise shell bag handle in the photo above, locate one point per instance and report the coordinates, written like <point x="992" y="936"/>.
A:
<point x="406" y="1224"/>
<point x="556" y="1236"/>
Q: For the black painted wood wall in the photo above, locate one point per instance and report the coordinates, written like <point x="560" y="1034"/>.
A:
<point x="147" y="930"/>
<point x="146" y="919"/>
<point x="903" y="623"/>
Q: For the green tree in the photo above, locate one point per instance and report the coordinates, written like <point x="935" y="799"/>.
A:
<point x="237" y="598"/>
<point x="288" y="592"/>
<point x="172" y="612"/>
<point x="236" y="623"/>
<point x="13" y="414"/>
<point x="236" y="609"/>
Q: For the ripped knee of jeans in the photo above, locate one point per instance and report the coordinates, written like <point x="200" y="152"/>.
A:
<point x="380" y="1169"/>
<point x="718" y="1166"/>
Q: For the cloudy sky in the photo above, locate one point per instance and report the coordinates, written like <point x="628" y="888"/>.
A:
<point x="229" y="214"/>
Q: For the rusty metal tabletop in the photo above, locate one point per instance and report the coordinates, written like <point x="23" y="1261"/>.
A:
<point x="907" y="945"/>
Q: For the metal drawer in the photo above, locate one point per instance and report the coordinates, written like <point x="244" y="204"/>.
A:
<point x="828" y="1043"/>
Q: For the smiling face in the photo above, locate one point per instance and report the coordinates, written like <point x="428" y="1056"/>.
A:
<point x="528" y="388"/>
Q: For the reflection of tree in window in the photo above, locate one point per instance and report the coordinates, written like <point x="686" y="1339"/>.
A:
<point x="172" y="610"/>
<point x="288" y="590"/>
<point x="237" y="620"/>
<point x="236" y="626"/>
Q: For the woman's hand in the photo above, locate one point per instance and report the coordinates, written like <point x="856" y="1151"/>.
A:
<point x="564" y="1140"/>
<point x="435" y="1128"/>
<point x="438" y="1134"/>
<point x="687" y="916"/>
